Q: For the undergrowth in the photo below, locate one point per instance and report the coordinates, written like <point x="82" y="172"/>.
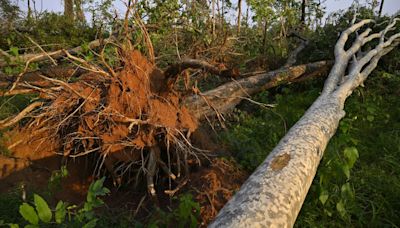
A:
<point x="357" y="183"/>
<point x="35" y="211"/>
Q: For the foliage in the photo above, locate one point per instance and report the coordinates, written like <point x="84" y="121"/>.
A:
<point x="39" y="213"/>
<point x="8" y="11"/>
<point x="56" y="177"/>
<point x="102" y="15"/>
<point x="186" y="214"/>
<point x="51" y="30"/>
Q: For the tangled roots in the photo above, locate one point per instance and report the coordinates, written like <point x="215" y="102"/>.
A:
<point x="132" y="123"/>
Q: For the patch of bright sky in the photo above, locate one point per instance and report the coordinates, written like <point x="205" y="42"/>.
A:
<point x="390" y="6"/>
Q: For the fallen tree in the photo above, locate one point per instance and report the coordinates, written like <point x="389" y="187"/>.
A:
<point x="273" y="195"/>
<point x="225" y="97"/>
<point x="133" y="120"/>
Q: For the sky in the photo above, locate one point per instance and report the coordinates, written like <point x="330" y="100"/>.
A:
<point x="390" y="6"/>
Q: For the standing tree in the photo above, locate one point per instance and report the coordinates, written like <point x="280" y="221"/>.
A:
<point x="264" y="14"/>
<point x="79" y="10"/>
<point x="69" y="9"/>
<point x="380" y="8"/>
<point x="213" y="17"/>
<point x="303" y="12"/>
<point x="29" y="14"/>
<point x="239" y="16"/>
<point x="274" y="193"/>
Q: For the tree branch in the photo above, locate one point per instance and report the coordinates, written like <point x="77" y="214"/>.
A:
<point x="39" y="57"/>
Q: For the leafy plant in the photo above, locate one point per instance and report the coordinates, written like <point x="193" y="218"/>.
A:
<point x="40" y="213"/>
<point x="187" y="212"/>
<point x="54" y="183"/>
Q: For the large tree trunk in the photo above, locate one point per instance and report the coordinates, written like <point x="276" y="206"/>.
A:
<point x="225" y="97"/>
<point x="274" y="193"/>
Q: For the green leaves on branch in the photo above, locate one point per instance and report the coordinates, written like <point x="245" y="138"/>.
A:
<point x="42" y="211"/>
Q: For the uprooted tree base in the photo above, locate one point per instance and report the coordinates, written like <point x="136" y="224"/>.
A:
<point x="132" y="122"/>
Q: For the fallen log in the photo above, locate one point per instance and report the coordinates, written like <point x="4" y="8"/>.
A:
<point x="274" y="193"/>
<point x="225" y="97"/>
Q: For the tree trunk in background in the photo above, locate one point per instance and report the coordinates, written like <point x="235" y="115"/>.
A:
<point x="247" y="16"/>
<point x="264" y="37"/>
<point x="374" y="4"/>
<point x="239" y="16"/>
<point x="303" y="12"/>
<point x="213" y="17"/>
<point x="29" y="15"/>
<point x="380" y="8"/>
<point x="69" y="9"/>
<point x="79" y="11"/>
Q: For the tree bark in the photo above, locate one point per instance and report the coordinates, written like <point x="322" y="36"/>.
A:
<point x="381" y="8"/>
<point x="303" y="12"/>
<point x="239" y="16"/>
<point x="29" y="15"/>
<point x="274" y="193"/>
<point x="292" y="58"/>
<point x="264" y="37"/>
<point x="79" y="11"/>
<point x="225" y="97"/>
<point x="69" y="9"/>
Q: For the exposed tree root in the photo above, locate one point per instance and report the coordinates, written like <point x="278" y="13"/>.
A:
<point x="129" y="122"/>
